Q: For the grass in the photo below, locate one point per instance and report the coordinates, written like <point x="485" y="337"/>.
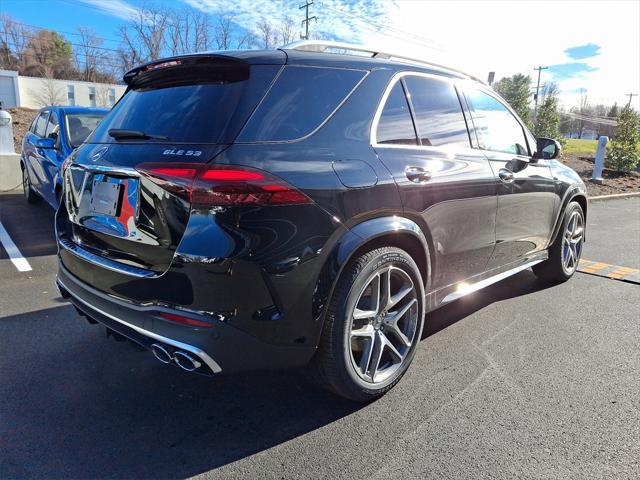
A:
<point x="578" y="146"/>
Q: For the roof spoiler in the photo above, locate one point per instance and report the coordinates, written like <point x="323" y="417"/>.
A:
<point x="187" y="70"/>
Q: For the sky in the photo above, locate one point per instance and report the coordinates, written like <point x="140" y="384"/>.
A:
<point x="591" y="47"/>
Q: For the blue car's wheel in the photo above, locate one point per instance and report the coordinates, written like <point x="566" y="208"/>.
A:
<point x="29" y="193"/>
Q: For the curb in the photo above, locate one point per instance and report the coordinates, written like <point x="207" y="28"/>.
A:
<point x="617" y="196"/>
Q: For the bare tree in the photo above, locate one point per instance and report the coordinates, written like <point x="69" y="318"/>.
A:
<point x="15" y="38"/>
<point x="267" y="34"/>
<point x="287" y="31"/>
<point x="90" y="56"/>
<point x="189" y="30"/>
<point x="223" y="32"/>
<point x="102" y="96"/>
<point x="143" y="38"/>
<point x="50" y="93"/>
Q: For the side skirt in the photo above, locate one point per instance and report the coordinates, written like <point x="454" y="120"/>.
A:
<point x="458" y="290"/>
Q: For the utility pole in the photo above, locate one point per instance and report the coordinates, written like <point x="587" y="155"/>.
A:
<point x="307" y="19"/>
<point x="630" y="95"/>
<point x="535" y="97"/>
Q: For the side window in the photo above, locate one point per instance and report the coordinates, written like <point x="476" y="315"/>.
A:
<point x="496" y="127"/>
<point x="301" y="99"/>
<point x="395" y="126"/>
<point x="52" y="126"/>
<point x="439" y="118"/>
<point x="41" y="124"/>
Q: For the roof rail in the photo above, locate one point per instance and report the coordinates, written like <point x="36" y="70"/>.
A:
<point x="322" y="46"/>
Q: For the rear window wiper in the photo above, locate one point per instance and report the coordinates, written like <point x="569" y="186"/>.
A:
<point x="121" y="134"/>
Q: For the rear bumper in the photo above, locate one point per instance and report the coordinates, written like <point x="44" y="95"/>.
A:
<point x="220" y="348"/>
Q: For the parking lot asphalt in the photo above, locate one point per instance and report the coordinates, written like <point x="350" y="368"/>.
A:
<point x="518" y="380"/>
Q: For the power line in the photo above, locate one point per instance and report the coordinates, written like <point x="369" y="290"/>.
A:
<point x="535" y="110"/>
<point x="62" y="31"/>
<point x="31" y="37"/>
<point x="630" y="95"/>
<point x="307" y="19"/>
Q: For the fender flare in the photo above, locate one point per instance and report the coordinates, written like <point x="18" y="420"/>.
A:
<point x="351" y="242"/>
<point x="572" y="193"/>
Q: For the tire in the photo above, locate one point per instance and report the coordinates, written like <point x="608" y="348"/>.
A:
<point x="350" y="347"/>
<point x="29" y="194"/>
<point x="565" y="252"/>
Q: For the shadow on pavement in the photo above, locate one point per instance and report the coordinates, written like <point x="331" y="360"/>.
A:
<point x="521" y="284"/>
<point x="31" y="226"/>
<point x="77" y="406"/>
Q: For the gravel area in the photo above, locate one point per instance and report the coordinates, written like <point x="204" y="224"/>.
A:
<point x="21" y="119"/>
<point x="614" y="181"/>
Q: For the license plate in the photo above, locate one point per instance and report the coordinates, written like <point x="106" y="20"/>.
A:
<point x="105" y="197"/>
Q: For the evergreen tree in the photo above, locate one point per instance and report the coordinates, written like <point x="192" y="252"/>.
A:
<point x="548" y="120"/>
<point x="516" y="91"/>
<point x="613" y="111"/>
<point x="624" y="153"/>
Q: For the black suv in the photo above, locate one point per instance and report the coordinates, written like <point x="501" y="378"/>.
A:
<point x="269" y="209"/>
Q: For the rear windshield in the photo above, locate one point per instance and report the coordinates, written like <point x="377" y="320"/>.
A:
<point x="301" y="99"/>
<point x="79" y="126"/>
<point x="191" y="113"/>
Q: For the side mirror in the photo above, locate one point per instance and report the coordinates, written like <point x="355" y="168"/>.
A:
<point x="45" y="143"/>
<point x="547" y="148"/>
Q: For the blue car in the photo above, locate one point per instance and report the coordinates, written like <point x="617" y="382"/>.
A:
<point x="54" y="133"/>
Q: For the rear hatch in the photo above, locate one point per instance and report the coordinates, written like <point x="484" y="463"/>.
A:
<point x="178" y="113"/>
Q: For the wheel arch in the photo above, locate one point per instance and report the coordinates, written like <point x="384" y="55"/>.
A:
<point x="391" y="231"/>
<point x="575" y="194"/>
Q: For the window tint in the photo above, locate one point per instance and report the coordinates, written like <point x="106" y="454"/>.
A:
<point x="395" y="125"/>
<point x="79" y="126"/>
<point x="52" y="126"/>
<point x="190" y="113"/>
<point x="41" y="124"/>
<point x="439" y="118"/>
<point x="299" y="102"/>
<point x="496" y="127"/>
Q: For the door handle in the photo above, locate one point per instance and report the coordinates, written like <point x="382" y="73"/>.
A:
<point x="417" y="174"/>
<point x="505" y="175"/>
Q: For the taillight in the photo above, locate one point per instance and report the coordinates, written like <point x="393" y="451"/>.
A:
<point x="222" y="185"/>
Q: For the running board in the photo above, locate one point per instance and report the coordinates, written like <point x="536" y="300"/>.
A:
<point x="466" y="288"/>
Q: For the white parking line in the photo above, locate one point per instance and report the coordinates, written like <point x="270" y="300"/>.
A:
<point x="14" y="254"/>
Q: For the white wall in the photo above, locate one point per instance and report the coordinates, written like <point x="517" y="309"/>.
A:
<point x="34" y="92"/>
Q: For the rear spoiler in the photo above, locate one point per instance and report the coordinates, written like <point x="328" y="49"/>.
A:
<point x="187" y="70"/>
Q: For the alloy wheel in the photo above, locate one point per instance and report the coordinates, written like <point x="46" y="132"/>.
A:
<point x="572" y="242"/>
<point x="383" y="324"/>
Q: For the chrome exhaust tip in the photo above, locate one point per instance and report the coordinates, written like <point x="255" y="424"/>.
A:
<point x="186" y="361"/>
<point x="161" y="353"/>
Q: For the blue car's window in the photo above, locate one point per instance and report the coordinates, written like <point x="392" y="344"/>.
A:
<point x="41" y="124"/>
<point x="80" y="125"/>
<point x="299" y="102"/>
<point x="52" y="126"/>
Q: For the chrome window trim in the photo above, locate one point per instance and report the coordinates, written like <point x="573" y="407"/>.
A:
<point x="211" y="363"/>
<point x="376" y="118"/>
